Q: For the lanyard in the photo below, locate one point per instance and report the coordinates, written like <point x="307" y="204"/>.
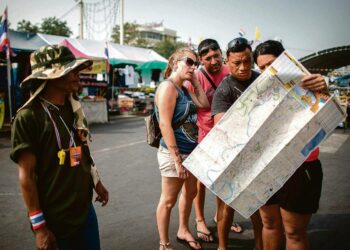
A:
<point x="58" y="138"/>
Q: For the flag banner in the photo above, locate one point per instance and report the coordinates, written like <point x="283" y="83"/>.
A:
<point x="4" y="39"/>
<point x="257" y="34"/>
<point x="241" y="32"/>
<point x="108" y="66"/>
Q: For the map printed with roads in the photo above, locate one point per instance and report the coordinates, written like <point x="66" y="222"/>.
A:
<point x="264" y="137"/>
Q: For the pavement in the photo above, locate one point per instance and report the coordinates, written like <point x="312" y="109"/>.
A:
<point x="128" y="167"/>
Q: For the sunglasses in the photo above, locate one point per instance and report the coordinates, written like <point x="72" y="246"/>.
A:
<point x="237" y="42"/>
<point x="205" y="49"/>
<point x="190" y="62"/>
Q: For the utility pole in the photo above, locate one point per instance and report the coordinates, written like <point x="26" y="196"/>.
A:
<point x="121" y="12"/>
<point x="81" y="19"/>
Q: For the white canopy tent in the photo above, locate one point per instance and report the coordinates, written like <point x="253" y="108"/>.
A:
<point x="117" y="53"/>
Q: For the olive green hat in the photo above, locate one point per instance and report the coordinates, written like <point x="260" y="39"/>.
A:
<point x="52" y="62"/>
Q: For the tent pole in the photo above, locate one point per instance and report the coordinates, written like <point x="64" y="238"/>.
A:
<point x="121" y="33"/>
<point x="9" y="80"/>
<point x="81" y="19"/>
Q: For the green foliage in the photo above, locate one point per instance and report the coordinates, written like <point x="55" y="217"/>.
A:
<point x="53" y="26"/>
<point x="166" y="48"/>
<point x="49" y="25"/>
<point x="132" y="35"/>
<point x="27" y="26"/>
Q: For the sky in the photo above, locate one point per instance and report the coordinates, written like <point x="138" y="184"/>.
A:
<point x="305" y="26"/>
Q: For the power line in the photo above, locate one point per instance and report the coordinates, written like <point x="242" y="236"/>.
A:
<point x="69" y="11"/>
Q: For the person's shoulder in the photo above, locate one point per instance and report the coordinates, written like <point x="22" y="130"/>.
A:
<point x="228" y="81"/>
<point x="166" y="88"/>
<point x="166" y="84"/>
<point x="225" y="70"/>
<point x="200" y="75"/>
<point x="226" y="85"/>
<point x="29" y="112"/>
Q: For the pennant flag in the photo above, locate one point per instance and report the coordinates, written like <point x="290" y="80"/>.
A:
<point x="107" y="56"/>
<point x="241" y="32"/>
<point x="257" y="34"/>
<point x="4" y="39"/>
<point x="189" y="43"/>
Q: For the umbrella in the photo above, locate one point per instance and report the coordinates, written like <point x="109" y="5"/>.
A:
<point x="152" y="65"/>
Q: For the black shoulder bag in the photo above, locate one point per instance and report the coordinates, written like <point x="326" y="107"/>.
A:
<point x="153" y="130"/>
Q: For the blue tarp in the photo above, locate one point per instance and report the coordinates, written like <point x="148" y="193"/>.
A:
<point x="343" y="81"/>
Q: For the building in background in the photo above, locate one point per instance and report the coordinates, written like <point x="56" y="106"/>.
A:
<point x="156" y="32"/>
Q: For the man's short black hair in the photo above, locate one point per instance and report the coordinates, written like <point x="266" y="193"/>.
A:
<point x="238" y="44"/>
<point x="206" y="44"/>
<point x="269" y="47"/>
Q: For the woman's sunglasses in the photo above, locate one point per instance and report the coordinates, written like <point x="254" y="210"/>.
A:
<point x="190" y="62"/>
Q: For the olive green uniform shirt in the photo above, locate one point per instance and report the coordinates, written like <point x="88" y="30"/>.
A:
<point x="65" y="192"/>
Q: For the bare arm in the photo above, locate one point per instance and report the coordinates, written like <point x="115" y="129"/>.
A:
<point x="166" y="101"/>
<point x="198" y="96"/>
<point x="101" y="191"/>
<point x="43" y="237"/>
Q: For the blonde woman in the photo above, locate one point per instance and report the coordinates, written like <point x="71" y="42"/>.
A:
<point x="176" y="111"/>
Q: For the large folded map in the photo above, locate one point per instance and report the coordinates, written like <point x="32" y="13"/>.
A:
<point x="264" y="137"/>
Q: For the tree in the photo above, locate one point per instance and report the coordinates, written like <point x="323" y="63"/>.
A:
<point x="167" y="47"/>
<point x="27" y="26"/>
<point x="53" y="26"/>
<point x="132" y="35"/>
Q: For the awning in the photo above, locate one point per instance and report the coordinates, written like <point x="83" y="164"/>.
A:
<point x="327" y="60"/>
<point x="25" y="41"/>
<point x="152" y="65"/>
<point x="75" y="51"/>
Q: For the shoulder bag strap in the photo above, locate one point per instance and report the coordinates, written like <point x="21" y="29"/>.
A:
<point x="179" y="123"/>
<point x="209" y="79"/>
<point x="182" y="121"/>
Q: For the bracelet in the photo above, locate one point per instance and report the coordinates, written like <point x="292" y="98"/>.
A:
<point x="37" y="219"/>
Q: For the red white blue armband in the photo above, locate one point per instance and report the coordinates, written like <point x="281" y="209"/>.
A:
<point x="37" y="219"/>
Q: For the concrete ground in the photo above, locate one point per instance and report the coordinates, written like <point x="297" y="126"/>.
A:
<point x="129" y="169"/>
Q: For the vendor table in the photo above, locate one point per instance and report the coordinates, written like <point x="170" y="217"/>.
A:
<point x="95" y="111"/>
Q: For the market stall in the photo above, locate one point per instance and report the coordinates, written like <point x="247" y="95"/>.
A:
<point x="99" y="88"/>
<point x="152" y="72"/>
<point x="93" y="96"/>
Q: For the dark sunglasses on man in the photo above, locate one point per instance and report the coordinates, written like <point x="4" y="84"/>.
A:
<point x="237" y="42"/>
<point x="189" y="62"/>
<point x="205" y="49"/>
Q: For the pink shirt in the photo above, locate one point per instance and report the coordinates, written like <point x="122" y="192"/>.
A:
<point x="204" y="120"/>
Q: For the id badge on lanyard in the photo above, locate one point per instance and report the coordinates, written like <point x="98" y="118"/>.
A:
<point x="75" y="156"/>
<point x="75" y="152"/>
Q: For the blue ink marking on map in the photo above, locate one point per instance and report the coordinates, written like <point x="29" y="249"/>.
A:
<point x="208" y="174"/>
<point x="231" y="188"/>
<point x="314" y="142"/>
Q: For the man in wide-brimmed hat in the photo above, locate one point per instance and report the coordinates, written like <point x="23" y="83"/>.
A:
<point x="49" y="140"/>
